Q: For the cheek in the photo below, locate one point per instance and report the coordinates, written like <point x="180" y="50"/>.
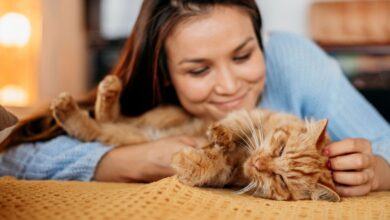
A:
<point x="253" y="77"/>
<point x="192" y="90"/>
<point x="253" y="71"/>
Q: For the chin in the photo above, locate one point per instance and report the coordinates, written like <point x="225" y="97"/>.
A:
<point x="218" y="115"/>
<point x="249" y="104"/>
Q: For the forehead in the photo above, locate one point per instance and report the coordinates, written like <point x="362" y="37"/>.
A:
<point x="221" y="26"/>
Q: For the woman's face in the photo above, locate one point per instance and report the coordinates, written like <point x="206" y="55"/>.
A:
<point x="215" y="63"/>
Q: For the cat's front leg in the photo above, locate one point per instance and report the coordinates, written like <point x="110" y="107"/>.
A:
<point x="202" y="167"/>
<point x="222" y="136"/>
<point x="107" y="108"/>
<point x="72" y="119"/>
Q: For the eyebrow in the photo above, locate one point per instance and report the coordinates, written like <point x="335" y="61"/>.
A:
<point x="200" y="60"/>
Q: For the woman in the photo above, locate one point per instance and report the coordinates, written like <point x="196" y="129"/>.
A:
<point x="208" y="57"/>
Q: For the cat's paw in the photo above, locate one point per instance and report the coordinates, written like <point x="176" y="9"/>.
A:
<point x="184" y="166"/>
<point x="195" y="167"/>
<point x="109" y="88"/>
<point x="63" y="107"/>
<point x="220" y="135"/>
<point x="189" y="164"/>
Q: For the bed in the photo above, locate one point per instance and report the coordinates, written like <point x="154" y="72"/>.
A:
<point x="167" y="199"/>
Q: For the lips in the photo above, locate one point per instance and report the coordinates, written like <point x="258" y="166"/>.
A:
<point x="231" y="104"/>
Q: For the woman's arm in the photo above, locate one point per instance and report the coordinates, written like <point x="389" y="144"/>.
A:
<point x="143" y="162"/>
<point x="303" y="80"/>
<point x="61" y="158"/>
<point x="66" y="158"/>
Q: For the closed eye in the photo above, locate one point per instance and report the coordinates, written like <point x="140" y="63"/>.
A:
<point x="284" y="184"/>
<point x="242" y="57"/>
<point x="281" y="150"/>
<point x="198" y="72"/>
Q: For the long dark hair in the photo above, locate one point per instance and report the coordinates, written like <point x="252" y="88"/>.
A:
<point x="142" y="66"/>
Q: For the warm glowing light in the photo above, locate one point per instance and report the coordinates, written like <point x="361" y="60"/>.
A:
<point x="11" y="95"/>
<point x="15" y="30"/>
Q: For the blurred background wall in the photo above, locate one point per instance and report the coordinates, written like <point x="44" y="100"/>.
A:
<point x="118" y="16"/>
<point x="53" y="58"/>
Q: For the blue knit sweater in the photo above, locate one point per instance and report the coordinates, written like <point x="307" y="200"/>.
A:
<point x="301" y="79"/>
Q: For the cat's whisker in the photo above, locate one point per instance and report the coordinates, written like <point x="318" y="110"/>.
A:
<point x="243" y="134"/>
<point x="254" y="135"/>
<point x="261" y="131"/>
<point x="259" y="137"/>
<point x="248" y="188"/>
<point x="255" y="138"/>
<point x="250" y="145"/>
<point x="257" y="118"/>
<point x="257" y="130"/>
<point x="258" y="190"/>
<point x="251" y="129"/>
<point x="247" y="146"/>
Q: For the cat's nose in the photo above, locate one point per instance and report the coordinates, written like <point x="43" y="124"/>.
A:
<point x="259" y="164"/>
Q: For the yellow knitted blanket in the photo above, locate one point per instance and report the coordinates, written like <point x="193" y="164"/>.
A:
<point x="167" y="199"/>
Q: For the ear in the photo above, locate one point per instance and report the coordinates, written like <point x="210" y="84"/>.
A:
<point x="320" y="133"/>
<point x="280" y="136"/>
<point x="279" y="140"/>
<point x="324" y="193"/>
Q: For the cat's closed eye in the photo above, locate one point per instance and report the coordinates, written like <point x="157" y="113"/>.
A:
<point x="281" y="149"/>
<point x="281" y="179"/>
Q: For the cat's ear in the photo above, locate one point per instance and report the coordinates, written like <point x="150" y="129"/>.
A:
<point x="280" y="134"/>
<point x="324" y="193"/>
<point x="320" y="132"/>
<point x="279" y="140"/>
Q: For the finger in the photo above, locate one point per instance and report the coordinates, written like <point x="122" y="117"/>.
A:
<point x="360" y="190"/>
<point x="347" y="146"/>
<point x="357" y="161"/>
<point x="353" y="178"/>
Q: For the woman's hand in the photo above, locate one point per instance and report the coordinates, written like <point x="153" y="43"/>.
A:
<point x="356" y="171"/>
<point x="142" y="162"/>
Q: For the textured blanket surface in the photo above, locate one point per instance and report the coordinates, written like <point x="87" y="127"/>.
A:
<point x="167" y="199"/>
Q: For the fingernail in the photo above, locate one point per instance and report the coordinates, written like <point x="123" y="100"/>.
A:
<point x="325" y="152"/>
<point x="328" y="165"/>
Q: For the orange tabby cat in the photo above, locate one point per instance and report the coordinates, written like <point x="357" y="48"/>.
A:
<point x="111" y="128"/>
<point x="274" y="155"/>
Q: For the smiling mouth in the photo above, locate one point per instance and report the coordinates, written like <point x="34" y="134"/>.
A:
<point x="231" y="104"/>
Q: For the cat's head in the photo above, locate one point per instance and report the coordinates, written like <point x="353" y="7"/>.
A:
<point x="287" y="164"/>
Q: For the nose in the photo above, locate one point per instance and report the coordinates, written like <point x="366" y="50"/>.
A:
<point x="227" y="83"/>
<point x="259" y="165"/>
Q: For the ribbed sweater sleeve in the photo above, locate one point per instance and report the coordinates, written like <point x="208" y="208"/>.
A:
<point x="61" y="158"/>
<point x="305" y="81"/>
